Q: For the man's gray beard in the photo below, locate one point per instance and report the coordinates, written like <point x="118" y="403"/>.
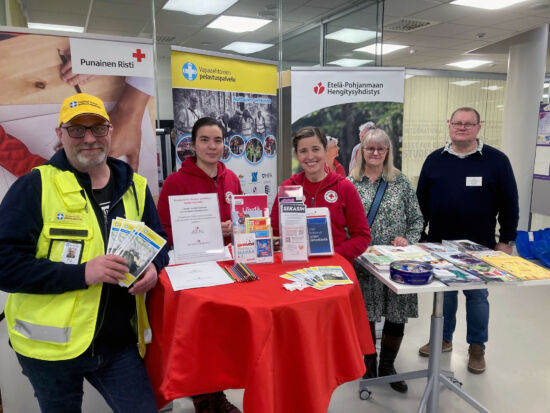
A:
<point x="86" y="161"/>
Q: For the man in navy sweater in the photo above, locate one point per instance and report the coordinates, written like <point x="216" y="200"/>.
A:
<point x="462" y="190"/>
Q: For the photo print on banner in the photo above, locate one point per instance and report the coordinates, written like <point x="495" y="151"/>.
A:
<point x="119" y="73"/>
<point x="242" y="95"/>
<point x="338" y="102"/>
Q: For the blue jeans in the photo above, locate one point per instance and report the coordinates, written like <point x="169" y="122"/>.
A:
<point x="120" y="378"/>
<point x="477" y="316"/>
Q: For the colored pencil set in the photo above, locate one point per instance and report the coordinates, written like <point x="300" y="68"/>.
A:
<point x="240" y="272"/>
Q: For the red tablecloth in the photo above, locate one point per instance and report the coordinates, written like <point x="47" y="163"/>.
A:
<point x="288" y="350"/>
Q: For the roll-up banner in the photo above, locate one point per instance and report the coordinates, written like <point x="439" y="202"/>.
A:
<point x="242" y="95"/>
<point x="39" y="71"/>
<point x="339" y="101"/>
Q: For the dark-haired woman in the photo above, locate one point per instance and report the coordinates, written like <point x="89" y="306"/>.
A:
<point x="201" y="174"/>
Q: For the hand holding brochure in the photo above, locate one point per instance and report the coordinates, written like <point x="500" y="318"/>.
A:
<point x="136" y="242"/>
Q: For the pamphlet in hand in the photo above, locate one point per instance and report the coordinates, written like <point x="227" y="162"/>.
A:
<point x="136" y="242"/>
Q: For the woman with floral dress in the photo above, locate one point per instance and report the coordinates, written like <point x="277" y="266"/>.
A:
<point x="398" y="222"/>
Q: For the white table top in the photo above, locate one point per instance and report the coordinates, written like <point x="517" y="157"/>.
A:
<point x="437" y="286"/>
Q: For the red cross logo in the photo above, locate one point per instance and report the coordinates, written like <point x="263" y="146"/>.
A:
<point x="331" y="196"/>
<point x="138" y="55"/>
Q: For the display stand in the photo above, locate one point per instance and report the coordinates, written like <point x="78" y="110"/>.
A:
<point x="434" y="373"/>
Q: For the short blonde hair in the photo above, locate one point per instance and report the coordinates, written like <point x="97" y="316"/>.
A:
<point x="377" y="136"/>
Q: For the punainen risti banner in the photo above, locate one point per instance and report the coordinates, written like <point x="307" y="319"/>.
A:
<point x="242" y="95"/>
<point x="39" y="71"/>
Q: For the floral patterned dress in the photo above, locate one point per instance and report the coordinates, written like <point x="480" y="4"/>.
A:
<point x="398" y="215"/>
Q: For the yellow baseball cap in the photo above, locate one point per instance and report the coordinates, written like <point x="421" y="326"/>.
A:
<point x="82" y="104"/>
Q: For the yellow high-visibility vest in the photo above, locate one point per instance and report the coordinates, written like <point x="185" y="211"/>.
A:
<point x="61" y="326"/>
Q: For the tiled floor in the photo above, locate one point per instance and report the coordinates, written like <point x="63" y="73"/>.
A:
<point x="517" y="378"/>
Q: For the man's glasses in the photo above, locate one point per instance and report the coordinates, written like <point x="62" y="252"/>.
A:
<point x="370" y="150"/>
<point x="79" y="131"/>
<point x="459" y="125"/>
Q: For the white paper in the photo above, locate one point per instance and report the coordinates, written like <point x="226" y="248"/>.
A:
<point x="542" y="161"/>
<point x="202" y="274"/>
<point x="196" y="228"/>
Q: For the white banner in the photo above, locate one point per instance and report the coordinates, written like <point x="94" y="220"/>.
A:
<point x="103" y="57"/>
<point x="319" y="88"/>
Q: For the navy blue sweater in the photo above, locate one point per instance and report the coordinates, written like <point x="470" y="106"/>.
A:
<point x="20" y="226"/>
<point x="456" y="211"/>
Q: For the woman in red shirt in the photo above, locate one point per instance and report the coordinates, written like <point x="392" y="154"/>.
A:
<point x="322" y="188"/>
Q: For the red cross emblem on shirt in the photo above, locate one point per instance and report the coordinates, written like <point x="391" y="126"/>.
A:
<point x="138" y="55"/>
<point x="331" y="196"/>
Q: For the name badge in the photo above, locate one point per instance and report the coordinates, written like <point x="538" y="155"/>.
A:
<point x="474" y="181"/>
<point x="71" y="253"/>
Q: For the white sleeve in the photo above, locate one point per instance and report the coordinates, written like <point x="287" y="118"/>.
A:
<point x="144" y="84"/>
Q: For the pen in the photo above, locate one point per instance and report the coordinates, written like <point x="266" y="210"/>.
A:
<point x="64" y="60"/>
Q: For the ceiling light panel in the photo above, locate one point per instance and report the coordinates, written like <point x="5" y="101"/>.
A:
<point x="469" y="64"/>
<point x="487" y="4"/>
<point x="199" y="8"/>
<point x="238" y="24"/>
<point x="58" y="27"/>
<point x="384" y="48"/>
<point x="350" y="62"/>
<point x="351" y="35"/>
<point x="464" y="82"/>
<point x="247" y="47"/>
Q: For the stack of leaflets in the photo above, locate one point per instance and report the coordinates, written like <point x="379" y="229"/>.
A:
<point x="443" y="270"/>
<point x="319" y="277"/>
<point x="319" y="232"/>
<point x="465" y="245"/>
<point x="477" y="267"/>
<point x="292" y="223"/>
<point x="379" y="257"/>
<point x="517" y="266"/>
<point x="136" y="242"/>
<point x="252" y="240"/>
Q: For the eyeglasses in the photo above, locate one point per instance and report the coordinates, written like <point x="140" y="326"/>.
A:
<point x="79" y="131"/>
<point x="459" y="125"/>
<point x="371" y="150"/>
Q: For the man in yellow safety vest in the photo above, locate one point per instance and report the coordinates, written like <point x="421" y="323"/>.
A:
<point x="67" y="317"/>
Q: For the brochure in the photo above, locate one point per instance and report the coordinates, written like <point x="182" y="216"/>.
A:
<point x="248" y="206"/>
<point x="465" y="245"/>
<point x="196" y="228"/>
<point x="517" y="266"/>
<point x="318" y="278"/>
<point x="477" y="267"/>
<point x="140" y="250"/>
<point x="136" y="242"/>
<point x="319" y="232"/>
<point x="249" y="248"/>
<point x="293" y="230"/>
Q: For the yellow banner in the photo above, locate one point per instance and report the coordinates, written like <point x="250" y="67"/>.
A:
<point x="198" y="71"/>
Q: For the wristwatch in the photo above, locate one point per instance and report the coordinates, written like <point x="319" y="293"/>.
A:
<point x="511" y="243"/>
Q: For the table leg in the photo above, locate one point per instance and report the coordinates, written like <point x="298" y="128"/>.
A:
<point x="434" y="364"/>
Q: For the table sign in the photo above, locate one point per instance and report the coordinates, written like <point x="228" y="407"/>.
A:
<point x="196" y="228"/>
<point x="319" y="232"/>
<point x="293" y="230"/>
